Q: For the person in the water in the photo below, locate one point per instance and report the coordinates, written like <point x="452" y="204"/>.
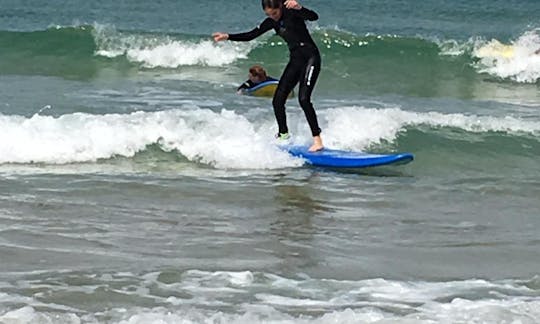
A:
<point x="257" y="74"/>
<point x="287" y="18"/>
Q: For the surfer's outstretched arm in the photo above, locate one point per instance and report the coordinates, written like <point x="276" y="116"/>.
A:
<point x="247" y="36"/>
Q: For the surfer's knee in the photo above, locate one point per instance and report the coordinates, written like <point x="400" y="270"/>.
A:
<point x="276" y="102"/>
<point x="304" y="101"/>
<point x="279" y="99"/>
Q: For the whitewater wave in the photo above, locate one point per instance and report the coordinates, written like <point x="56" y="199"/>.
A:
<point x="223" y="139"/>
<point x="253" y="297"/>
<point x="357" y="128"/>
<point x="518" y="61"/>
<point x="77" y="46"/>
<point x="152" y="51"/>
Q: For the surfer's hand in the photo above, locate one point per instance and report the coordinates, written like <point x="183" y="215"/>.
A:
<point x="220" y="36"/>
<point x="292" y="4"/>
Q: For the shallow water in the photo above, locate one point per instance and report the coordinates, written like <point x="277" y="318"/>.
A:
<point x="137" y="187"/>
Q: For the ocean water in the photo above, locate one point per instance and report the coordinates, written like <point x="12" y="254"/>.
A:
<point x="137" y="187"/>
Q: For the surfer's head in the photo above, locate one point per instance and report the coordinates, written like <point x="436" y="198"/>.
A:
<point x="257" y="74"/>
<point x="273" y="4"/>
<point x="272" y="8"/>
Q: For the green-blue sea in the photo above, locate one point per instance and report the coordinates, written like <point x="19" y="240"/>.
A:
<point x="137" y="187"/>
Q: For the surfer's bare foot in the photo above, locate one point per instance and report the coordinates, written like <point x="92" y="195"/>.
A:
<point x="317" y="144"/>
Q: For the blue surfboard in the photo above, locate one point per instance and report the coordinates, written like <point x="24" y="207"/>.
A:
<point x="347" y="159"/>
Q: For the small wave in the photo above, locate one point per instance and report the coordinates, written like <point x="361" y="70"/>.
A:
<point x="67" y="50"/>
<point x="197" y="296"/>
<point x="222" y="139"/>
<point x="357" y="128"/>
<point x="518" y="61"/>
<point x="164" y="51"/>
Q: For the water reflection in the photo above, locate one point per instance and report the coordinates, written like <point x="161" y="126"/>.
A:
<point x="299" y="220"/>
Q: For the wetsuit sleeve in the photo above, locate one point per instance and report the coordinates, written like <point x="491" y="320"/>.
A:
<point x="254" y="33"/>
<point x="306" y="14"/>
<point x="245" y="85"/>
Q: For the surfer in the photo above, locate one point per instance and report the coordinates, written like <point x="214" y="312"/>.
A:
<point x="257" y="74"/>
<point x="287" y="18"/>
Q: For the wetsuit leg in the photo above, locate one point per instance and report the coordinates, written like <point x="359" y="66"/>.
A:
<point x="309" y="76"/>
<point x="287" y="82"/>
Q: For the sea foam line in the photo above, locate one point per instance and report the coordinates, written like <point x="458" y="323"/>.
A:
<point x="357" y="127"/>
<point x="165" y="51"/>
<point x="278" y="299"/>
<point x="223" y="139"/>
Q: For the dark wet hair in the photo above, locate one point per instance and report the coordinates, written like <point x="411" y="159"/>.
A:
<point x="272" y="4"/>
<point x="258" y="71"/>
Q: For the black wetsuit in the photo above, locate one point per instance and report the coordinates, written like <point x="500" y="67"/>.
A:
<point x="304" y="63"/>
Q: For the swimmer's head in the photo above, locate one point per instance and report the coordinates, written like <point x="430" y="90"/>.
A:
<point x="257" y="74"/>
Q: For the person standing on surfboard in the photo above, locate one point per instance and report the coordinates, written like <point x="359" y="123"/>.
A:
<point x="288" y="18"/>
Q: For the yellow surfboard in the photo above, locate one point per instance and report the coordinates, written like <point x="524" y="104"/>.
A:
<point x="265" y="89"/>
<point x="496" y="49"/>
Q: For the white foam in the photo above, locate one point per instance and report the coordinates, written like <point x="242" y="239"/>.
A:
<point x="302" y="300"/>
<point x="514" y="310"/>
<point x="227" y="278"/>
<point x="28" y="315"/>
<point x="166" y="51"/>
<point x="224" y="139"/>
<point x="268" y="316"/>
<point x="244" y="278"/>
<point x="452" y="47"/>
<point x="357" y="128"/>
<point x="516" y="61"/>
<point x="457" y="311"/>
<point x="177" y="53"/>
